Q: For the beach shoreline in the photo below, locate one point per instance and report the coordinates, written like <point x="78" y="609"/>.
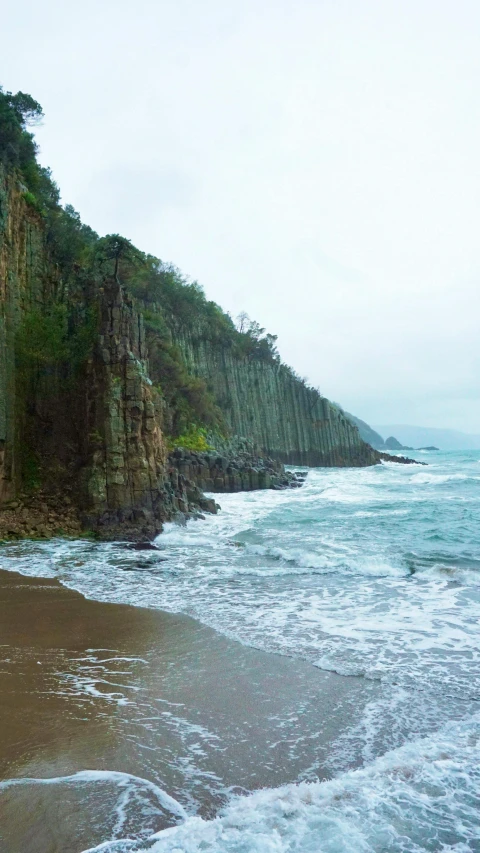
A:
<point x="155" y="696"/>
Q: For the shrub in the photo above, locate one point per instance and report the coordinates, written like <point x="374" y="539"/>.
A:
<point x="195" y="438"/>
<point x="31" y="200"/>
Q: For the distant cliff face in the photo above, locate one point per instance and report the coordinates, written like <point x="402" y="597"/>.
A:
<point x="264" y="401"/>
<point x="367" y="433"/>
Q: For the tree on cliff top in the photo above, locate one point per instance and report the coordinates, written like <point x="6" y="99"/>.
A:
<point x="17" y="146"/>
<point x="27" y="110"/>
<point x="115" y="254"/>
<point x="255" y="341"/>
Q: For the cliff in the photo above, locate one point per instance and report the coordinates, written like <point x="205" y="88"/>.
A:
<point x="83" y="445"/>
<point x="125" y="478"/>
<point x="264" y="400"/>
<point x="91" y="429"/>
<point x="22" y="277"/>
<point x="109" y="360"/>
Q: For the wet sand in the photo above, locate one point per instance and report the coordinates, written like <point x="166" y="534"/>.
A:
<point x="88" y="686"/>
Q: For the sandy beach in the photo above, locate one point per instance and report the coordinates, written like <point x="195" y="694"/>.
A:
<point x="87" y="686"/>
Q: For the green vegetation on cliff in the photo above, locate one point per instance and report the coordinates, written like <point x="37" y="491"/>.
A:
<point x="18" y="148"/>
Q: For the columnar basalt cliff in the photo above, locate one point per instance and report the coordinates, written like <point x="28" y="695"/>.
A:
<point x="265" y="401"/>
<point x="95" y="434"/>
<point x="22" y="276"/>
<point x="123" y="391"/>
<point x="126" y="475"/>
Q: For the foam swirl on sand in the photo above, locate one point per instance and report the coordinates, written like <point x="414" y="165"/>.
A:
<point x="424" y="796"/>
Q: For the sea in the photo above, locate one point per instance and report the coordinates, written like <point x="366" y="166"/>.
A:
<point x="371" y="574"/>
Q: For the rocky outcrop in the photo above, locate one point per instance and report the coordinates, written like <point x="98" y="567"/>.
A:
<point x="402" y="460"/>
<point x="212" y="472"/>
<point x="392" y="443"/>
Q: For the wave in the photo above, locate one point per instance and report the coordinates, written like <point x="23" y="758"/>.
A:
<point x="334" y="559"/>
<point x="424" y="793"/>
<point x="136" y="798"/>
<point x="438" y="479"/>
<point x="123" y="780"/>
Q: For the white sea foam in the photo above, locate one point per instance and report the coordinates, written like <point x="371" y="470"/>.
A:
<point x="438" y="479"/>
<point x="422" y="797"/>
<point x="93" y="677"/>
<point x="129" y="788"/>
<point x="87" y="776"/>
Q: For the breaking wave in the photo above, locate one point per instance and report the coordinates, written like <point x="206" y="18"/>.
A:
<point x="423" y="796"/>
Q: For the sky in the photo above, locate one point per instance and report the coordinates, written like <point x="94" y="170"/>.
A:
<point x="315" y="163"/>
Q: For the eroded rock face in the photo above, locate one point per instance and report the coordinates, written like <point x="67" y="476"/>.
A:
<point x="101" y="437"/>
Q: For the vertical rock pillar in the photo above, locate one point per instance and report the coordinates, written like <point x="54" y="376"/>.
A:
<point x="125" y="480"/>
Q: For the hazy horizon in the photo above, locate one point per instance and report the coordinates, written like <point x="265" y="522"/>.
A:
<point x="418" y="436"/>
<point x="313" y="164"/>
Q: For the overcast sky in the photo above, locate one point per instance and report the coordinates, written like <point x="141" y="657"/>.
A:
<point x="315" y="163"/>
